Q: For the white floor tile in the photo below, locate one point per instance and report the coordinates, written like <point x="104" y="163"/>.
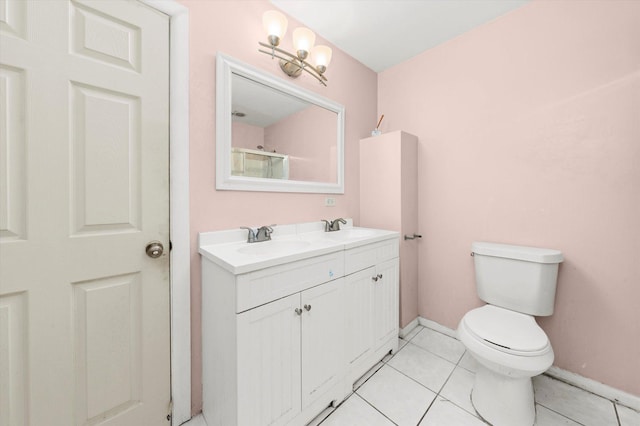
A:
<point x="627" y="416"/>
<point x="413" y="332"/>
<point x="546" y="417"/>
<point x="579" y="405"/>
<point x="356" y="412"/>
<point x="468" y="362"/>
<point x="401" y="399"/>
<point x="401" y="344"/>
<point x="447" y="347"/>
<point x="367" y="375"/>
<point x="458" y="389"/>
<point x="446" y="413"/>
<point x="424" y="367"/>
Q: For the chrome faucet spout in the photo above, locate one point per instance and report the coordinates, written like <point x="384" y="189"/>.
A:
<point x="251" y="236"/>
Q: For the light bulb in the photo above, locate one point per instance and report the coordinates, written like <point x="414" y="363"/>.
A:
<point x="275" y="24"/>
<point x="303" y="39"/>
<point x="321" y="57"/>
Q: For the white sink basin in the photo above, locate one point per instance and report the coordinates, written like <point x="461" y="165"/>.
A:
<point x="350" y="234"/>
<point x="274" y="247"/>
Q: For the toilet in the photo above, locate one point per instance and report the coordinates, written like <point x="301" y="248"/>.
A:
<point x="517" y="283"/>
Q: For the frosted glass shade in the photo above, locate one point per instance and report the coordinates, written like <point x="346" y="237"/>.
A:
<point x="274" y="23"/>
<point x="303" y="39"/>
<point x="321" y="56"/>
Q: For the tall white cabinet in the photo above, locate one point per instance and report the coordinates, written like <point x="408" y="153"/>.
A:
<point x="389" y="200"/>
<point x="282" y="343"/>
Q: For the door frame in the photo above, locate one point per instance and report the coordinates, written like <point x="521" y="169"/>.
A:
<point x="180" y="278"/>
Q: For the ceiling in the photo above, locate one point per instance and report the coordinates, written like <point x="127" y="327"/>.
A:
<point x="383" y="33"/>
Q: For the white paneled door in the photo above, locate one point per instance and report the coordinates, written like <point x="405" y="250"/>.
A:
<point x="84" y="310"/>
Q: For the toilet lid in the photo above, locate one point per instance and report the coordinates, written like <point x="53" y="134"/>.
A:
<point x="506" y="329"/>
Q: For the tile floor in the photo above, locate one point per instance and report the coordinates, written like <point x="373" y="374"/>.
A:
<point x="428" y="383"/>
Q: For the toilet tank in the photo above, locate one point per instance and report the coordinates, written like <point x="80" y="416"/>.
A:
<point x="519" y="278"/>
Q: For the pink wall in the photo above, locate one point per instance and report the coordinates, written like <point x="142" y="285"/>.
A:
<point x="246" y="136"/>
<point x="312" y="150"/>
<point x="235" y="27"/>
<point x="529" y="132"/>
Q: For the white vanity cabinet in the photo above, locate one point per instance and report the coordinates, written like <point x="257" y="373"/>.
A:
<point x="285" y="338"/>
<point x="273" y="341"/>
<point x="371" y="297"/>
<point x="289" y="352"/>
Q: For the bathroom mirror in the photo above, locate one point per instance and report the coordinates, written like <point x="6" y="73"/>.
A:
<point x="274" y="136"/>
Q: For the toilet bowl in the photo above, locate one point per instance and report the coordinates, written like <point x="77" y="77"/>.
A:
<point x="510" y="349"/>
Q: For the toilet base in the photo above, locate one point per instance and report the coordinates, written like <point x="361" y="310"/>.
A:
<point x="502" y="400"/>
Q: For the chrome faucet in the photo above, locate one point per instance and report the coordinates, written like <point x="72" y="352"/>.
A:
<point x="333" y="226"/>
<point x="261" y="234"/>
<point x="264" y="233"/>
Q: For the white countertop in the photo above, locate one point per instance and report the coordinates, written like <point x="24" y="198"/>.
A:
<point x="230" y="250"/>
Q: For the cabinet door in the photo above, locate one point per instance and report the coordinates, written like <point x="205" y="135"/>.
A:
<point x="269" y="363"/>
<point x="322" y="338"/>
<point x="358" y="311"/>
<point x="385" y="302"/>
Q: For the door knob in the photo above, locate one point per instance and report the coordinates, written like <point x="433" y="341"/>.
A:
<point x="155" y="249"/>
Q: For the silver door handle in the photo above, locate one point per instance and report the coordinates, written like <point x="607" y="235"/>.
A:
<point x="375" y="278"/>
<point x="298" y="311"/>
<point x="307" y="307"/>
<point x="154" y="249"/>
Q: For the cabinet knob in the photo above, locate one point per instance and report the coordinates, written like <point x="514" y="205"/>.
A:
<point x="298" y="311"/>
<point x="380" y="276"/>
<point x="375" y="278"/>
<point x="307" y="307"/>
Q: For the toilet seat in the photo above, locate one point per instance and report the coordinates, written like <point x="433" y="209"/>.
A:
<point x="506" y="331"/>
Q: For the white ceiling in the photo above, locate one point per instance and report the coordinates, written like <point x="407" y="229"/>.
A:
<point x="383" y="33"/>
<point x="261" y="104"/>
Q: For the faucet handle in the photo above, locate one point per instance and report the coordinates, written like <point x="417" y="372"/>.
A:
<point x="251" y="237"/>
<point x="327" y="225"/>
<point x="335" y="225"/>
<point x="264" y="233"/>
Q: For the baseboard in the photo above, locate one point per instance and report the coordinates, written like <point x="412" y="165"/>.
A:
<point x="593" y="386"/>
<point x="437" y="327"/>
<point x="408" y="328"/>
<point x="589" y="385"/>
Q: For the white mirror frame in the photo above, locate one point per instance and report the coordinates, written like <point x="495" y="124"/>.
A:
<point x="225" y="67"/>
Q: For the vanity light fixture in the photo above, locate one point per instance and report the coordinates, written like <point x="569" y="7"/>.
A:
<point x="275" y="24"/>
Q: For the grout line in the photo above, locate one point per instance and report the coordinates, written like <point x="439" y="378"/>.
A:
<point x="560" y="414"/>
<point x="409" y="377"/>
<point x="615" y="410"/>
<point x="374" y="407"/>
<point x="427" y="410"/>
<point x="433" y="353"/>
<point x="447" y="381"/>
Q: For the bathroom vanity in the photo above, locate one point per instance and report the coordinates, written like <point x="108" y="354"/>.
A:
<point x="290" y="324"/>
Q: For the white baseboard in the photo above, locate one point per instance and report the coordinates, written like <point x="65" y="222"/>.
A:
<point x="437" y="327"/>
<point x="408" y="328"/>
<point x="595" y="387"/>
<point x="589" y="385"/>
